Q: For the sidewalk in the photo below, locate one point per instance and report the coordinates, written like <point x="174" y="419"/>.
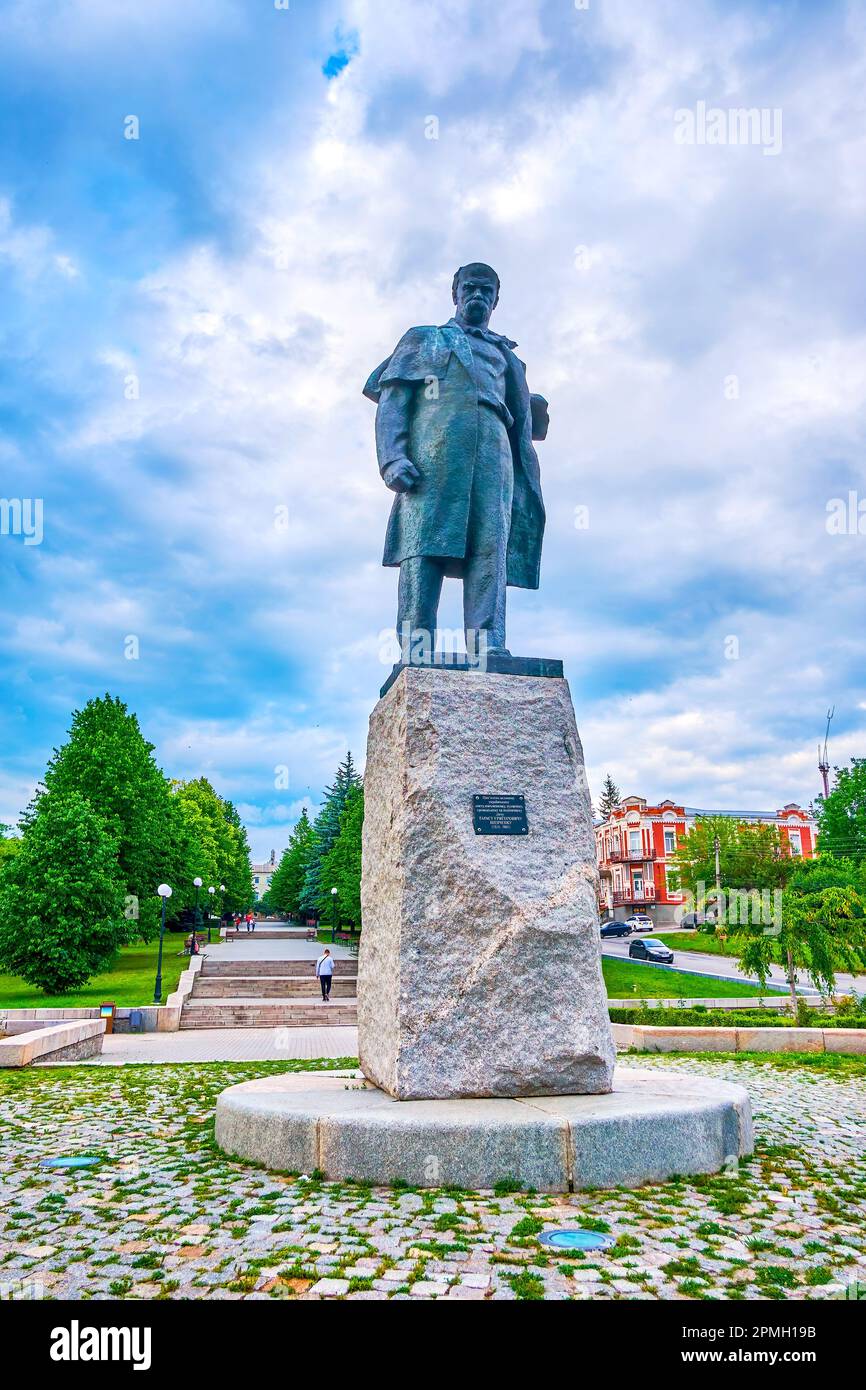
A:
<point x="225" y="1045"/>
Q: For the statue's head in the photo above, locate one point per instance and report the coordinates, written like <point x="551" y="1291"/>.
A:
<point x="475" y="291"/>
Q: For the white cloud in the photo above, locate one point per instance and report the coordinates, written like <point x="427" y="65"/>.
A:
<point x="707" y="514"/>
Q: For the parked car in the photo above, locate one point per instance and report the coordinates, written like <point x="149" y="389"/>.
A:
<point x="698" y="921"/>
<point x="640" y="922"/>
<point x="615" y="929"/>
<point x="651" y="950"/>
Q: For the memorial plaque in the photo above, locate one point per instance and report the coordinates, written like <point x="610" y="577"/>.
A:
<point x="499" y="815"/>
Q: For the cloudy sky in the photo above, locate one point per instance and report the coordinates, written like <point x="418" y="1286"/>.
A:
<point x="190" y="316"/>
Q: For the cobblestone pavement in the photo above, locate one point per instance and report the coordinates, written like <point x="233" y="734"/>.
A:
<point x="165" y="1215"/>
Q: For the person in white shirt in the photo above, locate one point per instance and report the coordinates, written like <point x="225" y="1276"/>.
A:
<point x="324" y="971"/>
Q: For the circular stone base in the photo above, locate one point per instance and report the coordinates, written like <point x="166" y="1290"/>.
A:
<point x="652" y="1126"/>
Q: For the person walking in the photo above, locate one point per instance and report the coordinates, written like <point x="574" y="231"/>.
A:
<point x="249" y="921"/>
<point x="324" y="972"/>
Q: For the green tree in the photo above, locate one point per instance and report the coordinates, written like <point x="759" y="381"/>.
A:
<point x="316" y="894"/>
<point x="842" y="815"/>
<point x="214" y="847"/>
<point x="107" y="760"/>
<point x="9" y="845"/>
<point x="62" y="897"/>
<point x="288" y="880"/>
<point x="610" y="797"/>
<point x="822" y="926"/>
<point x="341" y="868"/>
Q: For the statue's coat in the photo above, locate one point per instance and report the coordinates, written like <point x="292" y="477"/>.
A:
<point x="432" y="517"/>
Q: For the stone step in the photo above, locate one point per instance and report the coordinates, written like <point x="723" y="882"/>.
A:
<point x="240" y="1014"/>
<point x="267" y="934"/>
<point x="289" y="969"/>
<point x="269" y="987"/>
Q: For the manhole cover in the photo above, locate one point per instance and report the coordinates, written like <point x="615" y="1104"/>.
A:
<point x="69" y="1161"/>
<point x="575" y="1240"/>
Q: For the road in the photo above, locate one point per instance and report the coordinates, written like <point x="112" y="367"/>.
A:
<point x="728" y="967"/>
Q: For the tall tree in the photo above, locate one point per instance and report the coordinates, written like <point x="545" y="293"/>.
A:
<point x="216" y="848"/>
<point x="288" y="879"/>
<point x="62" y="897"/>
<point x="610" y="797"/>
<point x="341" y="867"/>
<point x="326" y="828"/>
<point x="842" y="815"/>
<point x="107" y="760"/>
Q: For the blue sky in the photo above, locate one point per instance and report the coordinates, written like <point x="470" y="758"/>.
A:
<point x="190" y="316"/>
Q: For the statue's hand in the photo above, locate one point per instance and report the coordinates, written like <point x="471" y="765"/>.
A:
<point x="401" y="475"/>
<point x="540" y="417"/>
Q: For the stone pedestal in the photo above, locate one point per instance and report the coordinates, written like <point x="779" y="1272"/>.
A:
<point x="652" y="1126"/>
<point x="479" y="971"/>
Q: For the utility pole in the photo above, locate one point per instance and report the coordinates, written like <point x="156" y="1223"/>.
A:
<point x="716" y="848"/>
<point x="823" y="759"/>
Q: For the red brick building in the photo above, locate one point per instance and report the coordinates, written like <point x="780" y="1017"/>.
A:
<point x="637" y="842"/>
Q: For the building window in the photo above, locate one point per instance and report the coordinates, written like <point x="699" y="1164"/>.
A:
<point x="634" y="842"/>
<point x="637" y="885"/>
<point x="670" y="841"/>
<point x="794" y="842"/>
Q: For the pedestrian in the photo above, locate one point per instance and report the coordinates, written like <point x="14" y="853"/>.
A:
<point x="249" y="921"/>
<point x="324" y="971"/>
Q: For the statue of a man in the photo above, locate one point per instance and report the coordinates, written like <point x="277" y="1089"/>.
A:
<point x="454" y="430"/>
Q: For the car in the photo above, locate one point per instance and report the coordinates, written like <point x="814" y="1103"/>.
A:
<point x="651" y="950"/>
<point x="615" y="929"/>
<point x="640" y="922"/>
<point x="698" y="921"/>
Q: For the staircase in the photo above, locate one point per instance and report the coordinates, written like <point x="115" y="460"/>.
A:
<point x="269" y="994"/>
<point x="267" y="934"/>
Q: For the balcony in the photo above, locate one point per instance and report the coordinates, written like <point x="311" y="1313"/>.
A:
<point x="625" y="897"/>
<point x="631" y="856"/>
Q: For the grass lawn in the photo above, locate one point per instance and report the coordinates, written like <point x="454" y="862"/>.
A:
<point x="129" y="983"/>
<point x="697" y="941"/>
<point x="630" y="978"/>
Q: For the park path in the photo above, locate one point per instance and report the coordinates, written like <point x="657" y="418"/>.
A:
<point x="238" y="1044"/>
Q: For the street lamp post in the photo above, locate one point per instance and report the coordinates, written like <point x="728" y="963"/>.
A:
<point x="165" y="893"/>
<point x="196" y="921"/>
<point x="334" y="915"/>
<point x="211" y="891"/>
<point x="222" y="902"/>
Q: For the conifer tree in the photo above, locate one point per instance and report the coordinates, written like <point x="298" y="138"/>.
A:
<point x="316" y="894"/>
<point x="288" y="880"/>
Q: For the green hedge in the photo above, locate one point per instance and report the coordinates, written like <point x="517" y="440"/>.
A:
<point x="738" y="1018"/>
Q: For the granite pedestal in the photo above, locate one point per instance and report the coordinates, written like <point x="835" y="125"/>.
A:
<point x="651" y="1126"/>
<point x="479" y="971"/>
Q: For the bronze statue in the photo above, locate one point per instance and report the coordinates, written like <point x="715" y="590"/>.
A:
<point x="454" y="430"/>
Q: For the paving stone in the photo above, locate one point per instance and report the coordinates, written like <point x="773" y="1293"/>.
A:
<point x="330" y="1288"/>
<point x="182" y="1187"/>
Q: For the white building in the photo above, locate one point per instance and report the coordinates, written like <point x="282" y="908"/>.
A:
<point x="262" y="875"/>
